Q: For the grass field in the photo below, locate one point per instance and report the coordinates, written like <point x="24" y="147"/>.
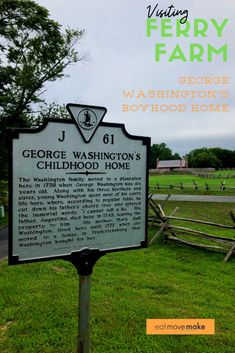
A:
<point x="164" y="180"/>
<point x="38" y="302"/>
<point x="209" y="211"/>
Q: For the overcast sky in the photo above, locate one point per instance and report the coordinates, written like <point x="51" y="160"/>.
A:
<point x="122" y="58"/>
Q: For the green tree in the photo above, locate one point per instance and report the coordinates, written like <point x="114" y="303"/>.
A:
<point x="34" y="51"/>
<point x="205" y="159"/>
<point x="50" y="111"/>
<point x="192" y="154"/>
<point x="226" y="157"/>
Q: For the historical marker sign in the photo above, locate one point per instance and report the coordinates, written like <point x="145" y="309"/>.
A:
<point x="77" y="185"/>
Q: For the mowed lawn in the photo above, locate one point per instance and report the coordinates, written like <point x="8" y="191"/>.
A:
<point x="205" y="211"/>
<point x="38" y="302"/>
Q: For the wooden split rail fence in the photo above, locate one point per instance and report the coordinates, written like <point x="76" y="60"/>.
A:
<point x="169" y="231"/>
<point x="193" y="186"/>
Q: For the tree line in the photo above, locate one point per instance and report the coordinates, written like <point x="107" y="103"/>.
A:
<point x="211" y="158"/>
<point x="197" y="158"/>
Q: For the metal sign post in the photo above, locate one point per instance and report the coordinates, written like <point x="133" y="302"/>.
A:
<point x="84" y="263"/>
<point x="84" y="313"/>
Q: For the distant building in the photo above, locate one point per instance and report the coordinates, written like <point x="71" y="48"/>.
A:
<point x="172" y="165"/>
